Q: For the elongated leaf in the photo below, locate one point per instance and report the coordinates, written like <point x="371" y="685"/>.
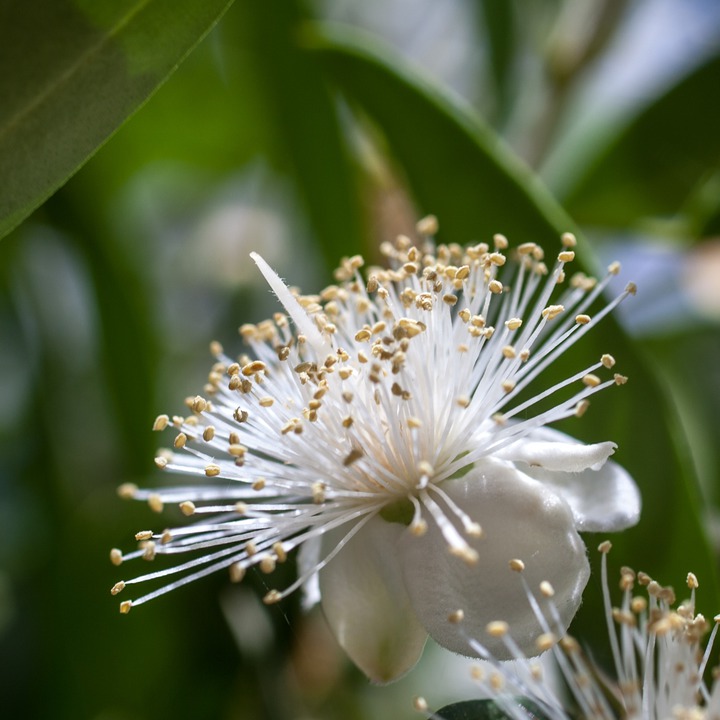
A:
<point x="486" y="709"/>
<point x="498" y="22"/>
<point x="71" y="72"/>
<point x="656" y="161"/>
<point x="306" y="126"/>
<point x="458" y="169"/>
<point x="457" y="166"/>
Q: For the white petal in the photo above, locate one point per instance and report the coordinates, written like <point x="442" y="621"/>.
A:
<point x="366" y="604"/>
<point x="520" y="519"/>
<point x="308" y="557"/>
<point x="603" y="497"/>
<point x="604" y="500"/>
<point x="557" y="452"/>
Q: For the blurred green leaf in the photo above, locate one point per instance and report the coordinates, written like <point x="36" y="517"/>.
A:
<point x="72" y="73"/>
<point x="457" y="167"/>
<point x="498" y="22"/>
<point x="657" y="159"/>
<point x="307" y="127"/>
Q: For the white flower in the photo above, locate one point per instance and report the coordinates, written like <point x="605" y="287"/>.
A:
<point x="389" y="434"/>
<point x="658" y="657"/>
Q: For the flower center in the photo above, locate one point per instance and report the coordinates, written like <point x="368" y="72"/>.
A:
<point x="401" y="511"/>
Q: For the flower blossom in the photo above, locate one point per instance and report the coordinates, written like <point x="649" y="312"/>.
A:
<point x="658" y="659"/>
<point x="388" y="428"/>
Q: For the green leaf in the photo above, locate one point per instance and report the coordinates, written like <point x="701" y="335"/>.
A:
<point x="306" y="127"/>
<point x="486" y="709"/>
<point x="71" y="73"/>
<point x="458" y="168"/>
<point x="657" y="160"/>
<point x="498" y="23"/>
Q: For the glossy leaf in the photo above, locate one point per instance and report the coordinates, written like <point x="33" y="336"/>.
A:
<point x="458" y="167"/>
<point x="485" y="709"/>
<point x="653" y="165"/>
<point x="72" y="73"/>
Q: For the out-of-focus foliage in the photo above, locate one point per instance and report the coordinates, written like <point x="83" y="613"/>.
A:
<point x="73" y="72"/>
<point x="310" y="140"/>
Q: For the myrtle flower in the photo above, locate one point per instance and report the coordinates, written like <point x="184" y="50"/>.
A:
<point x="657" y="652"/>
<point x="388" y="428"/>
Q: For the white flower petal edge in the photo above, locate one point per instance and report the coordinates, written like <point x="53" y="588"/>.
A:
<point x="521" y="519"/>
<point x="366" y="604"/>
<point x="602" y="499"/>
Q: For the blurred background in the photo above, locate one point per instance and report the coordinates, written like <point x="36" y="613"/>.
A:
<point x="308" y="131"/>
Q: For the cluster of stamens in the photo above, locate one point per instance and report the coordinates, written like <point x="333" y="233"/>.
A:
<point x="363" y="399"/>
<point x="656" y="647"/>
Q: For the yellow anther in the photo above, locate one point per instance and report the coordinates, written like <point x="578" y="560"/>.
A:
<point x="552" y="311"/>
<point x="497" y="628"/>
<point x="608" y="361"/>
<point x="253" y="367"/>
<point x="566" y="256"/>
<point x="117" y="587"/>
<point x="125" y="607"/>
<point x="161" y="422"/>
<point x="155" y="502"/>
<point x="516" y="565"/>
<point x="547" y="589"/>
<point x="605" y="547"/>
<point x="591" y="380"/>
<point x="180" y="441"/>
<point x="237" y="572"/>
<point x="420" y="704"/>
<point x="513" y="323"/>
<point x="620" y="379"/>
<point x="280" y="552"/>
<point x="500" y="241"/>
<point x="582" y="319"/>
<point x="161" y="462"/>
<point x="568" y="240"/>
<point x="116" y="556"/>
<point x="418" y="527"/>
<point x="495" y="287"/>
<point x="692" y="581"/>
<point x="127" y="491"/>
<point x="212" y="470"/>
<point x="427" y="225"/>
<point x="187" y="507"/>
<point x="143" y="535"/>
<point x="545" y="641"/>
<point x="208" y="433"/>
<point x="272" y="597"/>
<point x="456" y="616"/>
<point x="267" y="564"/>
<point x="581" y="408"/>
<point x="199" y="404"/>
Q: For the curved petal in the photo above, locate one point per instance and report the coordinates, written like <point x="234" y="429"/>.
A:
<point x="603" y="497"/>
<point x="553" y="450"/>
<point x="604" y="500"/>
<point x="520" y="519"/>
<point x="366" y="604"/>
